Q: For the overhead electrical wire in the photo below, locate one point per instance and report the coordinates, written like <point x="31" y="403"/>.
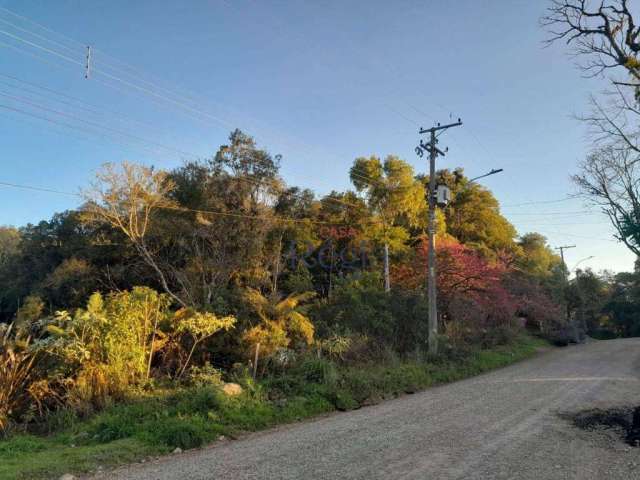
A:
<point x="56" y="122"/>
<point x="180" y="104"/>
<point x="71" y="126"/>
<point x="541" y="202"/>
<point x="90" y="123"/>
<point x="93" y="110"/>
<point x="192" y="210"/>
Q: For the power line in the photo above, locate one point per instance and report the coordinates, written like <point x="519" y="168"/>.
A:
<point x="66" y="125"/>
<point x="130" y="84"/>
<point x="38" y="189"/>
<point x="29" y="32"/>
<point x="90" y="123"/>
<point x="93" y="110"/>
<point x="541" y="202"/>
<point x="191" y="210"/>
<point x="566" y="214"/>
<point x="39" y="25"/>
<point x="40" y="47"/>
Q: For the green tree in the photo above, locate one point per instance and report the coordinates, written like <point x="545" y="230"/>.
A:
<point x="473" y="216"/>
<point x="537" y="258"/>
<point x="394" y="197"/>
<point x="622" y="308"/>
<point x="199" y="326"/>
<point x="233" y="246"/>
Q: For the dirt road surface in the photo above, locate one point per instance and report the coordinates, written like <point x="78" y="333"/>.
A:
<point x="501" y="425"/>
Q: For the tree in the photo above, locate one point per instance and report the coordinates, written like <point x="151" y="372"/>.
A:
<point x="607" y="36"/>
<point x="127" y="198"/>
<point x="473" y="216"/>
<point x="9" y="244"/>
<point x="610" y="179"/>
<point x="536" y="257"/>
<point x="586" y="296"/>
<point x="471" y="293"/>
<point x="200" y="326"/>
<point x="622" y="308"/>
<point x="461" y="271"/>
<point x="282" y="322"/>
<point x="226" y="237"/>
<point x="394" y="197"/>
<point x="70" y="283"/>
<point x="29" y="312"/>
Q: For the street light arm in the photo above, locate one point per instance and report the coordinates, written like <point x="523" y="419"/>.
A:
<point x="492" y="172"/>
<point x="579" y="262"/>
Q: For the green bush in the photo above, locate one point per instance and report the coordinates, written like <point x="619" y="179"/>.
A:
<point x="358" y="305"/>
<point x="184" y="432"/>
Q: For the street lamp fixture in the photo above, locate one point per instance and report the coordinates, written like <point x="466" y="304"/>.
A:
<point x="492" y="172"/>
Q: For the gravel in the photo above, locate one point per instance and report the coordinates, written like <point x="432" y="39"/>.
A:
<point x="507" y="424"/>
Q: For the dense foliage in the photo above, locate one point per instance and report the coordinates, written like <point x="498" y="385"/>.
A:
<point x="218" y="268"/>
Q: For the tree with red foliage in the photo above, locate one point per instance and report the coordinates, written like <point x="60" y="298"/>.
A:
<point x="465" y="279"/>
<point x="478" y="293"/>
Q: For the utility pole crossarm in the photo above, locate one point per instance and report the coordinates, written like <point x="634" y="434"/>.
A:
<point x="428" y="147"/>
<point x="562" y="249"/>
<point x="440" y="127"/>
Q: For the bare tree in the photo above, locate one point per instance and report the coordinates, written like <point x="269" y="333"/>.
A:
<point x="606" y="41"/>
<point x="126" y="197"/>
<point x="605" y="33"/>
<point x="610" y="179"/>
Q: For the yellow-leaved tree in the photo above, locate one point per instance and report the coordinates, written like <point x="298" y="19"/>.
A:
<point x="282" y="321"/>
<point x="395" y="199"/>
<point x="199" y="326"/>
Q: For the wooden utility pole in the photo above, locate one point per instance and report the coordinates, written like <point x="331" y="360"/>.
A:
<point x="432" y="290"/>
<point x="565" y="272"/>
<point x="564" y="264"/>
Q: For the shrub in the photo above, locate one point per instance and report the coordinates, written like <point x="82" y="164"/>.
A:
<point x="186" y="432"/>
<point x="358" y="303"/>
<point x="316" y="370"/>
<point x="203" y="376"/>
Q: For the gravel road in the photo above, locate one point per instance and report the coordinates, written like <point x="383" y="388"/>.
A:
<point x="501" y="425"/>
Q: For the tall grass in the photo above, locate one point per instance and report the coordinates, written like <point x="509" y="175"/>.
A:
<point x="16" y="368"/>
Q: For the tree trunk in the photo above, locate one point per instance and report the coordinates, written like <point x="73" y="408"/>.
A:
<point x="255" y="361"/>
<point x="387" y="283"/>
<point x="142" y="249"/>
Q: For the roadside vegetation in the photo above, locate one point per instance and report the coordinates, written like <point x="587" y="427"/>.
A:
<point x="158" y="421"/>
<point x="174" y="307"/>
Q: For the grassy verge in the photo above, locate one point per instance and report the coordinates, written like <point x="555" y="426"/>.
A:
<point x="189" y="418"/>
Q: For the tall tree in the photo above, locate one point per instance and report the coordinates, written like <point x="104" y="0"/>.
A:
<point x="473" y="216"/>
<point x="536" y="257"/>
<point x="395" y="198"/>
<point x="226" y="239"/>
<point x="610" y="179"/>
<point x="128" y="197"/>
<point x="606" y="36"/>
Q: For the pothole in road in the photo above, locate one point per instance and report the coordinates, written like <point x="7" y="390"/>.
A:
<point x="624" y="421"/>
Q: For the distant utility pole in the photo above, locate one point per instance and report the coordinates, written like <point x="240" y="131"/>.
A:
<point x="562" y="249"/>
<point x="434" y="151"/>
<point x="565" y="270"/>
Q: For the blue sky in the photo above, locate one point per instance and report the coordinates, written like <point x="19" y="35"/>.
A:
<point x="319" y="82"/>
